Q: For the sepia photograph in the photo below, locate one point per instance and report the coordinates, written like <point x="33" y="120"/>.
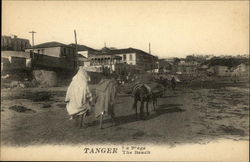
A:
<point x="125" y="80"/>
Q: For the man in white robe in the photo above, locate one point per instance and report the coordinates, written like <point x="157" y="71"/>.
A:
<point x="78" y="95"/>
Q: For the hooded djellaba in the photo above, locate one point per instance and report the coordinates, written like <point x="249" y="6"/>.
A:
<point x="78" y="96"/>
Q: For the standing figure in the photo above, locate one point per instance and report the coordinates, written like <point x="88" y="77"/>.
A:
<point x="78" y="97"/>
<point x="173" y="83"/>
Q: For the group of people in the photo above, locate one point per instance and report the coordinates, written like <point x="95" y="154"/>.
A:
<point x="80" y="100"/>
<point x="170" y="82"/>
<point x="122" y="79"/>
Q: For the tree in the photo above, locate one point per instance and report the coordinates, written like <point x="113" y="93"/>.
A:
<point x="190" y="58"/>
<point x="177" y="61"/>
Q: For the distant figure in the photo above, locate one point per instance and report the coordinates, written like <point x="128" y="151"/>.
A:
<point x="78" y="96"/>
<point x="236" y="78"/>
<point x="127" y="78"/>
<point x="173" y="83"/>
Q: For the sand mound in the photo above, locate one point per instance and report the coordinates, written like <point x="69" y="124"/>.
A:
<point x="45" y="78"/>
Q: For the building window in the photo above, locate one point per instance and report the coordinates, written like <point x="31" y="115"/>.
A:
<point x="130" y="57"/>
<point x="124" y="57"/>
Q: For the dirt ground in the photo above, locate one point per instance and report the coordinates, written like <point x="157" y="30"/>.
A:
<point x="185" y="115"/>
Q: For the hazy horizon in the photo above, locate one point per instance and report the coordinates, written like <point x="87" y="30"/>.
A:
<point x="173" y="28"/>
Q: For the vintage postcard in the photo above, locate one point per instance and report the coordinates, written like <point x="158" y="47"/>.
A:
<point x="125" y="80"/>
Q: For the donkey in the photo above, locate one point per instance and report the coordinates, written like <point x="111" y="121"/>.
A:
<point x="105" y="95"/>
<point x="142" y="93"/>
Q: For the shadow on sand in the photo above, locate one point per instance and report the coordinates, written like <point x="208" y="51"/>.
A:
<point x="168" y="96"/>
<point x="160" y="110"/>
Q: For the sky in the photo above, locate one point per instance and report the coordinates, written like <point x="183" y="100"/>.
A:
<point x="173" y="28"/>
